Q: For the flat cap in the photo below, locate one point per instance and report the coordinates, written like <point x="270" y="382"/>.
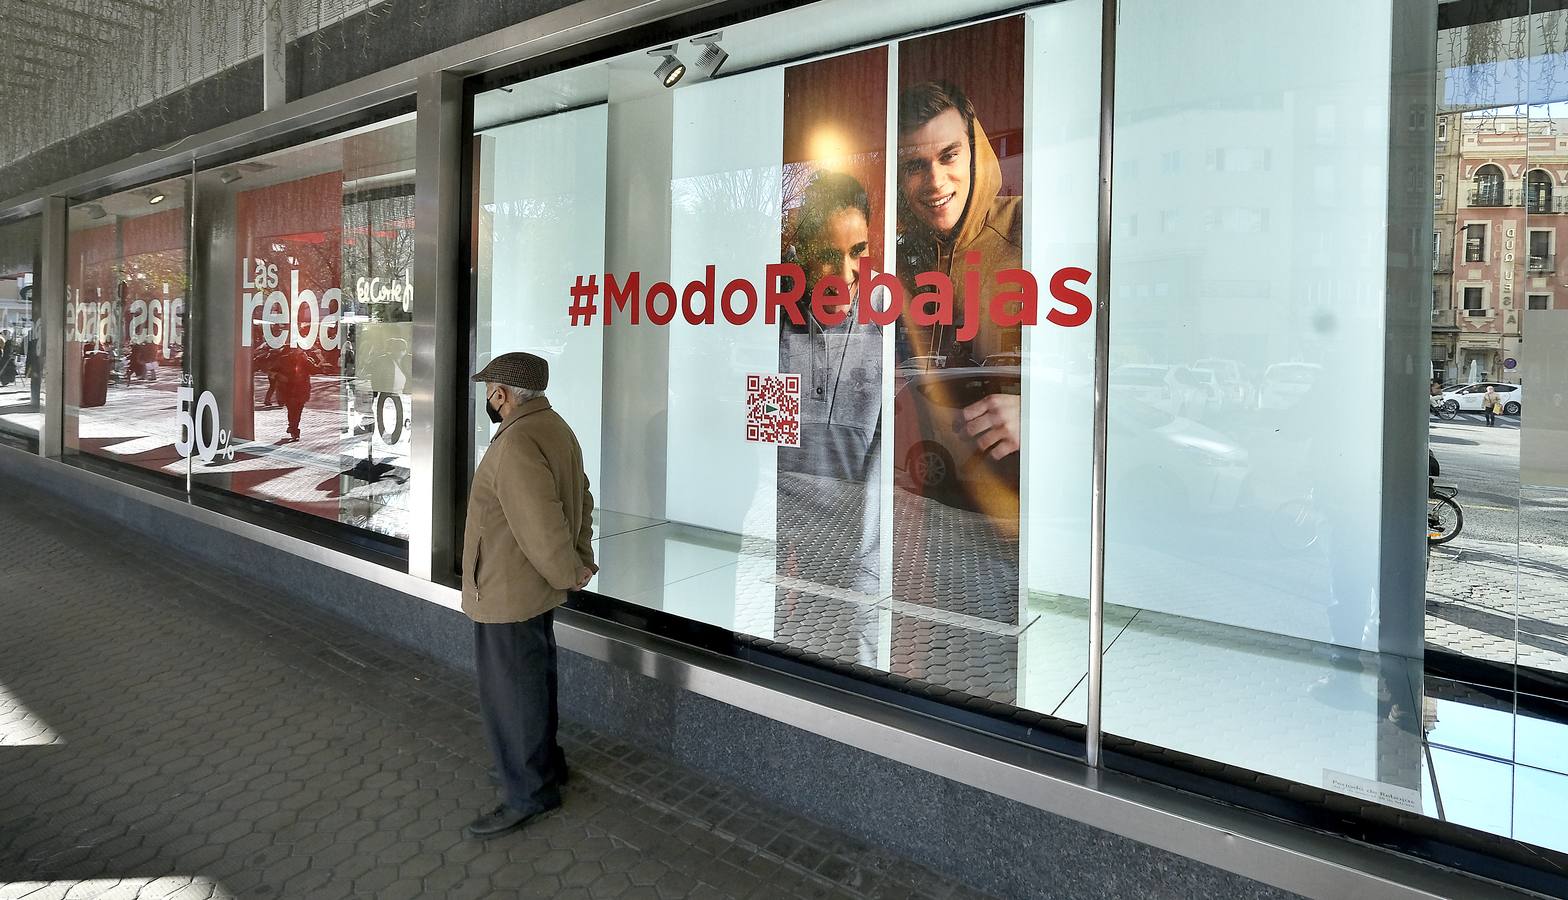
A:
<point x="523" y="370"/>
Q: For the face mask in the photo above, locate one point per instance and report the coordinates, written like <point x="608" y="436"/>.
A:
<point x="492" y="412"/>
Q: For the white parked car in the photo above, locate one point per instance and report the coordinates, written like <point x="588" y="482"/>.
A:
<point x="1468" y="397"/>
<point x="1285" y="384"/>
<point x="1172" y="388"/>
<point x="1231" y="379"/>
<point x="1215" y="398"/>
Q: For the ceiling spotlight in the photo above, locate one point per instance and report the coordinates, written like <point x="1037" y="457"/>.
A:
<point x="670" y="69"/>
<point x="713" y="56"/>
<point x="95" y="211"/>
<point x="229" y="176"/>
<point x="155" y="196"/>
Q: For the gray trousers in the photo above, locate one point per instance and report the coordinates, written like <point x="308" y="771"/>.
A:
<point x="517" y="682"/>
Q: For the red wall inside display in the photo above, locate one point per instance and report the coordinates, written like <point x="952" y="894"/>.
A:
<point x="839" y="105"/>
<point x="289" y="238"/>
<point x="128" y="282"/>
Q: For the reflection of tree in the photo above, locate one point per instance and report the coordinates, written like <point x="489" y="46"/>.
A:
<point x="512" y="219"/>
<point x="378" y="242"/>
<point x="747" y="192"/>
<point x="799" y="175"/>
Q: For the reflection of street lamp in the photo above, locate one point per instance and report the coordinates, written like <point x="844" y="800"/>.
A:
<point x="829" y="148"/>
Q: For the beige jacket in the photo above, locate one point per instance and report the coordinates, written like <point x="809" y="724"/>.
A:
<point x="530" y="519"/>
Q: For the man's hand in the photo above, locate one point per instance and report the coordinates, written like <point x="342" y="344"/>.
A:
<point x="994" y="424"/>
<point x="584" y="575"/>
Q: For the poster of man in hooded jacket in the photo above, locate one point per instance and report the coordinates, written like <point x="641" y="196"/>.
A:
<point x="957" y="406"/>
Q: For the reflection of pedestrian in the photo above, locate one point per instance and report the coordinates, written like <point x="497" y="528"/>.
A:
<point x="293" y="369"/>
<point x="389" y="369"/>
<point x="35" y="364"/>
<point x="7" y="360"/>
<point x="264" y="360"/>
<point x="1491" y="400"/>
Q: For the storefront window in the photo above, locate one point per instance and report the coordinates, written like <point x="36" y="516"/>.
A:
<point x="811" y="380"/>
<point x="126" y="324"/>
<point x="1289" y="593"/>
<point x="301" y="384"/>
<point x="21" y="342"/>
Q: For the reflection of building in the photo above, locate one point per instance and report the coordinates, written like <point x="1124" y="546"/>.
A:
<point x="15" y="312"/>
<point x="1500" y="199"/>
<point x="1445" y="194"/>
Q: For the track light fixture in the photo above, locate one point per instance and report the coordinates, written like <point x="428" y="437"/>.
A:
<point x="95" y="211"/>
<point x="229" y="176"/>
<point x="713" y="56"/>
<point x="155" y="196"/>
<point x="670" y="69"/>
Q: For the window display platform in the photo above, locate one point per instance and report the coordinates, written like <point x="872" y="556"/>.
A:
<point x="1365" y="724"/>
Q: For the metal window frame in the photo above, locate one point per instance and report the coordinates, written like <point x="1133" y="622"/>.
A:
<point x="1247" y="843"/>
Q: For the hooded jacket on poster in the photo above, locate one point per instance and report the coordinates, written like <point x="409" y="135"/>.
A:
<point x="530" y="519"/>
<point x="992" y="226"/>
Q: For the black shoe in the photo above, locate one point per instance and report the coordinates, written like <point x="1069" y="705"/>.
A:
<point x="504" y="819"/>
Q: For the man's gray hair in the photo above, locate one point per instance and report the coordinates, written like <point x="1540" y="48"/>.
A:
<point x="521" y="395"/>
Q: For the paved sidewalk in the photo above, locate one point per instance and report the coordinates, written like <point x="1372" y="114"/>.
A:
<point x="1490" y="600"/>
<point x="167" y="731"/>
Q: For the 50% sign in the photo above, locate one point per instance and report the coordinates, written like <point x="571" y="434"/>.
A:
<point x="199" y="429"/>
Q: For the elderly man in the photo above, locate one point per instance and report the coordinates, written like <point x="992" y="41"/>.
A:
<point x="526" y="543"/>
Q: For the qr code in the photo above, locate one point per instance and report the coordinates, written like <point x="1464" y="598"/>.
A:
<point x="773" y="409"/>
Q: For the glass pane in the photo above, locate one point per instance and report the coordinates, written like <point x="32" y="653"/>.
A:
<point x="1261" y="613"/>
<point x="1319" y="586"/>
<point x="21" y="343"/>
<point x="307" y="314"/>
<point x="832" y="477"/>
<point x="126" y="316"/>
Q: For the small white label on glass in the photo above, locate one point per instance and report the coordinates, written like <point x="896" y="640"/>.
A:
<point x="1377" y="791"/>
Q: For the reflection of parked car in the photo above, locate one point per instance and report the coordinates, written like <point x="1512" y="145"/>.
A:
<point x="1285" y="384"/>
<point x="1004" y="359"/>
<point x="1172" y="388"/>
<point x="1233" y="387"/>
<point x="1172" y="466"/>
<point x="1213" y="399"/>
<point x="929" y="443"/>
<point x="915" y="365"/>
<point x="1468" y="397"/>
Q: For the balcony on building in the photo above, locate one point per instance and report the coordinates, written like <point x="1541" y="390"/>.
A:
<point x="1538" y="192"/>
<point x="1542" y="263"/>
<point x="1487" y="188"/>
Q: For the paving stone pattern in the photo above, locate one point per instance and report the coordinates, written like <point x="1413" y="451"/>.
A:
<point x="170" y="731"/>
<point x="1490" y="600"/>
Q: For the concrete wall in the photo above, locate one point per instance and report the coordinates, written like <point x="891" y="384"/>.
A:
<point x="393" y="32"/>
